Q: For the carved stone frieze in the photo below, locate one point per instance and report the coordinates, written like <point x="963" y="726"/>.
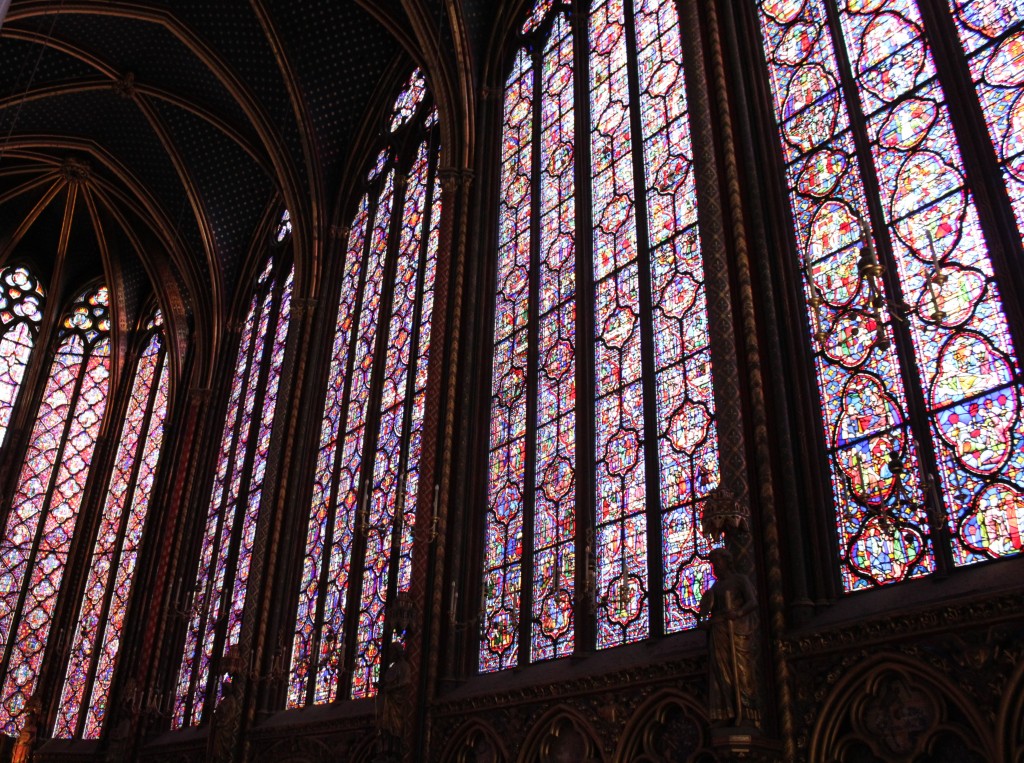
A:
<point x="892" y="626"/>
<point x="595" y="714"/>
<point x="690" y="671"/>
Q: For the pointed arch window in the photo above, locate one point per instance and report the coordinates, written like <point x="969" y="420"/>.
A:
<point x="217" y="601"/>
<point x="600" y="451"/>
<point x="104" y="604"/>
<point x="359" y="543"/>
<point x="45" y="508"/>
<point x="906" y="275"/>
<point x="21" y="311"/>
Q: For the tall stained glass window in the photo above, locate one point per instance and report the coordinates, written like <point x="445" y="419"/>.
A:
<point x="992" y="35"/>
<point x="917" y="366"/>
<point x="363" y="505"/>
<point x="44" y="510"/>
<point x="21" y="310"/>
<point x="217" y="600"/>
<point x="104" y="604"/>
<point x="600" y="450"/>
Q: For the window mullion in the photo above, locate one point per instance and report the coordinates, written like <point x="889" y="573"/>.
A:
<point x="211" y="573"/>
<point x="874" y="215"/>
<point x="981" y="165"/>
<point x="16" y="614"/>
<point x="410" y="383"/>
<point x="126" y="512"/>
<point x="357" y="569"/>
<point x="583" y="614"/>
<point x="650" y="440"/>
<point x="525" y="625"/>
<point x="331" y="519"/>
<point x="262" y="368"/>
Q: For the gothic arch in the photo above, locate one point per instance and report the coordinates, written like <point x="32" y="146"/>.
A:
<point x="475" y="742"/>
<point x="669" y="726"/>
<point x="367" y="142"/>
<point x="895" y="708"/>
<point x="173" y="317"/>
<point x="360" y="752"/>
<point x="561" y="735"/>
<point x="1011" y="719"/>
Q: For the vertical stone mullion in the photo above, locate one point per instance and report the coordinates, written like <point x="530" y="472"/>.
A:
<point x="437" y="439"/>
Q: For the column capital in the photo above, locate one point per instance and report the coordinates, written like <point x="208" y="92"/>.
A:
<point x="340" y="232"/>
<point x="454" y="178"/>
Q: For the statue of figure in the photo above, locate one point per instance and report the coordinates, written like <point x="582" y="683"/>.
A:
<point x="729" y="611"/>
<point x="225" y="719"/>
<point x="394" y="700"/>
<point x="22" y="752"/>
<point x="120" y="739"/>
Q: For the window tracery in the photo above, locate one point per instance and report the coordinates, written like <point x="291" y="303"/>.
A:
<point x="45" y="508"/>
<point x="21" y="311"/>
<point x="359" y="542"/>
<point x="918" y="374"/>
<point x="101" y="614"/>
<point x="598" y="459"/>
<point x="283" y="230"/>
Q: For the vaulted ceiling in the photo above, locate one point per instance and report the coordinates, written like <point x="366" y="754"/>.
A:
<point x="152" y="140"/>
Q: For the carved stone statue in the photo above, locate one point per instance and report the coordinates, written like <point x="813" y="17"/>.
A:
<point x="394" y="701"/>
<point x="120" y="738"/>
<point x="22" y="752"/>
<point x="729" y="611"/>
<point x="225" y="722"/>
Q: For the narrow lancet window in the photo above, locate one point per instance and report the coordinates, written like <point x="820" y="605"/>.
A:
<point x="216" y="603"/>
<point x="45" y="509"/>
<point x="101" y="614"/>
<point x="918" y="375"/>
<point x="359" y="544"/>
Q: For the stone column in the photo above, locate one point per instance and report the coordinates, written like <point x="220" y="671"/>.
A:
<point x="431" y="515"/>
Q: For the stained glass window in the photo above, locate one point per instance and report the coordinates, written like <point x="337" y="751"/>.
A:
<point x="408" y="100"/>
<point x="992" y="35"/>
<point x="359" y="543"/>
<point x="217" y="600"/>
<point x="21" y="310"/>
<point x="593" y="499"/>
<point x="104" y="605"/>
<point x="284" y="227"/>
<point x="45" y="507"/>
<point x="918" y="374"/>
